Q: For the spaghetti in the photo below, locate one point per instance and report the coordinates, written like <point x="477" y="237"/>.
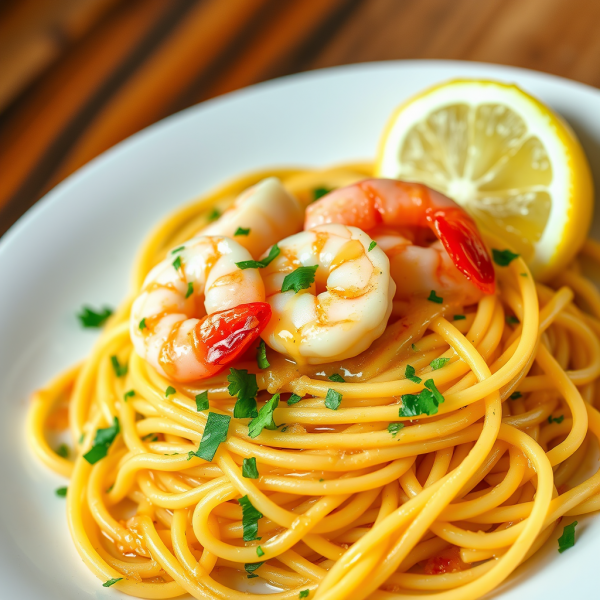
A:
<point x="349" y="503"/>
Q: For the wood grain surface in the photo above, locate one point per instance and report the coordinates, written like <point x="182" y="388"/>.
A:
<point x="78" y="76"/>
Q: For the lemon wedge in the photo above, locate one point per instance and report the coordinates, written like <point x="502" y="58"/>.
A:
<point x="512" y="162"/>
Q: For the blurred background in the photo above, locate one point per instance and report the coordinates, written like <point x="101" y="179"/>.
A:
<point x="78" y="76"/>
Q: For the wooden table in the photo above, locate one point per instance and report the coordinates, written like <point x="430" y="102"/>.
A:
<point x="78" y="76"/>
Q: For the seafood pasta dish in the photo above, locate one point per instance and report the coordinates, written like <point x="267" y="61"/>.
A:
<point x="367" y="381"/>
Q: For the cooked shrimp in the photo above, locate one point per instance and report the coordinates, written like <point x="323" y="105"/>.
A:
<point x="197" y="310"/>
<point x="344" y="310"/>
<point x="266" y="211"/>
<point x="411" y="209"/>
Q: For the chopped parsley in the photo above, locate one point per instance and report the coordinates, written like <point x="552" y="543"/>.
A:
<point x="337" y="378"/>
<point x="243" y="385"/>
<point x="433" y="297"/>
<point x="511" y="320"/>
<point x="320" y="192"/>
<point x="179" y="249"/>
<point x="260" y="264"/>
<point x="61" y="492"/>
<point x="264" y="420"/>
<point x="170" y="391"/>
<point x="294" y="399"/>
<point x="249" y="469"/>
<point x="202" y="401"/>
<point x="503" y="258"/>
<point x="250" y="517"/>
<point x="260" y="551"/>
<point x="558" y="420"/>
<point x="425" y="402"/>
<point x="120" y="370"/>
<point x="241" y="231"/>
<point x="190" y="289"/>
<point x="394" y="428"/>
<point x="459" y="317"/>
<point x="142" y="324"/>
<point x="300" y="279"/>
<point x="102" y="442"/>
<point x="251" y="567"/>
<point x="567" y="539"/>
<point x="438" y="363"/>
<point x="151" y="437"/>
<point x="177" y="263"/>
<point x="333" y="399"/>
<point x="213" y="215"/>
<point x="63" y="451"/>
<point x="261" y="356"/>
<point x="409" y="373"/>
<point x="128" y="394"/>
<point x="516" y="395"/>
<point x="414" y="348"/>
<point x="112" y="581"/>
<point x="371" y="246"/>
<point x="215" y="432"/>
<point x="304" y="594"/>
<point x="92" y="318"/>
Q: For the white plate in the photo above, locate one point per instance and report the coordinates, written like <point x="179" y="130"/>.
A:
<point x="77" y="245"/>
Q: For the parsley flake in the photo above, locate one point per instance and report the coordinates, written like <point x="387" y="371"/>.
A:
<point x="179" y="249"/>
<point x="261" y="356"/>
<point x="567" y="539"/>
<point x="260" y="551"/>
<point x="516" y="395"/>
<point x="294" y="399"/>
<point x="394" y="428"/>
<point x="142" y="324"/>
<point x="300" y="279"/>
<point x="170" y="391"/>
<point x="503" y="257"/>
<point x="511" y="320"/>
<point x="371" y="246"/>
<point x="243" y="385"/>
<point x="414" y="348"/>
<point x="558" y="420"/>
<point x="120" y="370"/>
<point x="425" y="402"/>
<point x="215" y="432"/>
<point x="320" y="192"/>
<point x="190" y="289"/>
<point x="249" y="469"/>
<point x="241" y="231"/>
<point x="438" y="363"/>
<point x="433" y="297"/>
<point x="61" y="492"/>
<point x="202" y="401"/>
<point x="304" y="594"/>
<point x="337" y="378"/>
<point x="260" y="264"/>
<point x="264" y="420"/>
<point x="89" y="317"/>
<point x="102" y="442"/>
<point x="112" y="581"/>
<point x="459" y="317"/>
<point x="333" y="399"/>
<point x="251" y="567"/>
<point x="177" y="263"/>
<point x="250" y="518"/>
<point x="409" y="373"/>
<point x="128" y="394"/>
<point x="213" y="215"/>
<point x="63" y="451"/>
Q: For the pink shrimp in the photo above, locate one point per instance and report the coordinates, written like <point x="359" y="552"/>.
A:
<point x="383" y="207"/>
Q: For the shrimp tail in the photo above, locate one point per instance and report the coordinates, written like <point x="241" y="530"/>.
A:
<point x="463" y="243"/>
<point x="219" y="338"/>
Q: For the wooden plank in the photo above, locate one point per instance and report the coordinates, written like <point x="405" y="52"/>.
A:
<point x="48" y="110"/>
<point x="206" y="32"/>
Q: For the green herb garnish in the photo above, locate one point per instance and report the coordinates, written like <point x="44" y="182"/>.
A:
<point x="250" y="518"/>
<point x="438" y="363"/>
<point x="260" y="551"/>
<point x="128" y="394"/>
<point x="409" y="373"/>
<point x="102" y="442"/>
<point x="177" y="263"/>
<point x="120" y="370"/>
<point x="516" y="395"/>
<point x="249" y="469"/>
<point x="433" y="297"/>
<point x="503" y="257"/>
<point x="260" y="264"/>
<point x="241" y="231"/>
<point x="300" y="279"/>
<point x="142" y="324"/>
<point x="264" y="420"/>
<point x="202" y="401"/>
<point x="243" y="385"/>
<point x="215" y="432"/>
<point x="294" y="399"/>
<point x="91" y="318"/>
<point x="320" y="192"/>
<point x="333" y="399"/>
<point x="170" y="391"/>
<point x="63" y="451"/>
<point x="337" y="378"/>
<point x="425" y="402"/>
<point x="112" y="581"/>
<point x="567" y="539"/>
<point x="371" y="246"/>
<point x="61" y="492"/>
<point x="394" y="428"/>
<point x="190" y="289"/>
<point x="558" y="420"/>
<point x="261" y="356"/>
<point x="459" y="317"/>
<point x="511" y="320"/>
<point x="251" y="567"/>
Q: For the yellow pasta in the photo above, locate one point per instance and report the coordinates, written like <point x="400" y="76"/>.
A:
<point x="447" y="505"/>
